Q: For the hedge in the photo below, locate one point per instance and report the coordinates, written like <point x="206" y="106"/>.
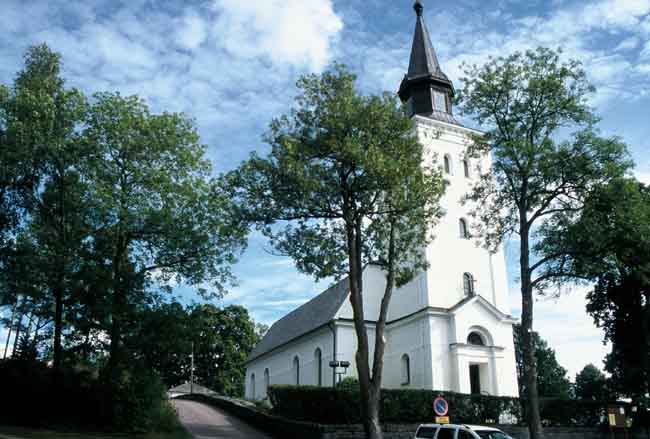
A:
<point x="341" y="406"/>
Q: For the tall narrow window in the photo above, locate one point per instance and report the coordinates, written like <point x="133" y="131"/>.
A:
<point x="468" y="284"/>
<point x="406" y="370"/>
<point x="447" y="160"/>
<point x="296" y="371"/>
<point x="464" y="231"/>
<point x="318" y="367"/>
<point x="267" y="381"/>
<point x="252" y="394"/>
<point x="466" y="168"/>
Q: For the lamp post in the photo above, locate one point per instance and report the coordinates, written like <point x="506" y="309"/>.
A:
<point x="337" y="366"/>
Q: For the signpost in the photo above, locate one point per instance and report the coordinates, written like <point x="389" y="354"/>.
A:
<point x="617" y="420"/>
<point x="441" y="409"/>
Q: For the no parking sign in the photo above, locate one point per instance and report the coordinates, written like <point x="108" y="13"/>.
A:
<point x="441" y="409"/>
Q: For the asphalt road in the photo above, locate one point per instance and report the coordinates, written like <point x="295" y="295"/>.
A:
<point x="205" y="422"/>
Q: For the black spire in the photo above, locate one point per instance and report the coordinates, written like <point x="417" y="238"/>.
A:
<point x="425" y="88"/>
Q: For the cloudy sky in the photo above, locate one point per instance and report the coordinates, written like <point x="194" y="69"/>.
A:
<point x="232" y="65"/>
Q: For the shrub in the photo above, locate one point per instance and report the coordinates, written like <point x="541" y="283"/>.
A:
<point x="78" y="399"/>
<point x="342" y="405"/>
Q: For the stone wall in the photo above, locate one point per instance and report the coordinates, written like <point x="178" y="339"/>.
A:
<point x="288" y="429"/>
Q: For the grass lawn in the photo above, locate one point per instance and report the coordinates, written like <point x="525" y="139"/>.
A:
<point x="20" y="433"/>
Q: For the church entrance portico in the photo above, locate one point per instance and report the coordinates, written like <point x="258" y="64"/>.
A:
<point x="475" y="369"/>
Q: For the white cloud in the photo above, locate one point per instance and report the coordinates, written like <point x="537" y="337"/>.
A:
<point x="297" y="32"/>
<point x="565" y="324"/>
<point x="628" y="44"/>
<point x="643" y="175"/>
<point x="192" y="31"/>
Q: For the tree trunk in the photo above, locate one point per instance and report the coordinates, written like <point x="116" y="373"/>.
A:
<point x="528" y="348"/>
<point x="353" y="230"/>
<point x="58" y="324"/>
<point x="60" y="266"/>
<point x="646" y="342"/>
<point x="19" y="324"/>
<point x="117" y="310"/>
<point x="372" y="424"/>
<point x="11" y="326"/>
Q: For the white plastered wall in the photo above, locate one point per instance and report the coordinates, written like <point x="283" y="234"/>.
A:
<point x="450" y="255"/>
<point x="280" y="363"/>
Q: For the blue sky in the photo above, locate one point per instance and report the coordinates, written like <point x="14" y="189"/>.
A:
<point x="232" y="65"/>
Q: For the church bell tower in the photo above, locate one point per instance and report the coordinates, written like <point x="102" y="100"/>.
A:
<point x="425" y="89"/>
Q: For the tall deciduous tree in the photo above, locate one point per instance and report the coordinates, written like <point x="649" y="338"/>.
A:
<point x="610" y="244"/>
<point x="344" y="186"/>
<point x="159" y="217"/>
<point x="39" y="133"/>
<point x="537" y="183"/>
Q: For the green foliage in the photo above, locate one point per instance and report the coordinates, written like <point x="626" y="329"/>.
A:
<point x="591" y="383"/>
<point x="563" y="412"/>
<point x="348" y="384"/>
<point x="103" y="205"/>
<point x="223" y="338"/>
<point x="83" y="401"/>
<point x="609" y="245"/>
<point x="340" y="160"/>
<point x="552" y="381"/>
<point x="342" y="405"/>
<point x="345" y="185"/>
<point x="138" y="403"/>
<point x="546" y="157"/>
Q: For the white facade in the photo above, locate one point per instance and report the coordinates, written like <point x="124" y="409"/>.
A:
<point x="463" y="292"/>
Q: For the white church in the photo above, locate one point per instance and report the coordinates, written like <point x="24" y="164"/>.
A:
<point x="450" y="328"/>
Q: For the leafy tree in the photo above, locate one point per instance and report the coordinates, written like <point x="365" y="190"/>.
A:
<point x="42" y="153"/>
<point x="344" y="186"/>
<point x="223" y="339"/>
<point x="162" y="341"/>
<point x="157" y="215"/>
<point x="615" y="228"/>
<point x="537" y="183"/>
<point x="552" y="381"/>
<point x="591" y="383"/>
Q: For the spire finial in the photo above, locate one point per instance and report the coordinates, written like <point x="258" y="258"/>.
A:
<point x="418" y="7"/>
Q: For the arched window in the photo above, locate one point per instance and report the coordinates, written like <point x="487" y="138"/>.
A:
<point x="252" y="391"/>
<point x="447" y="161"/>
<point x="318" y="367"/>
<point x="468" y="284"/>
<point x="466" y="168"/>
<point x="267" y="381"/>
<point x="474" y="338"/>
<point x="296" y="371"/>
<point x="464" y="231"/>
<point x="406" y="370"/>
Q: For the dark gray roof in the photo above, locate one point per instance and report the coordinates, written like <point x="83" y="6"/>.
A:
<point x="444" y="117"/>
<point x="424" y="61"/>
<point x="312" y="315"/>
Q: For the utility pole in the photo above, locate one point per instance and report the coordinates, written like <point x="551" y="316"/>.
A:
<point x="192" y="372"/>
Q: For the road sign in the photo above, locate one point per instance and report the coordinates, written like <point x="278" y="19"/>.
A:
<point x="442" y="419"/>
<point x="440" y="406"/>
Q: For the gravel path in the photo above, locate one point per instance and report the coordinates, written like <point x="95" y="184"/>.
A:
<point x="206" y="422"/>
